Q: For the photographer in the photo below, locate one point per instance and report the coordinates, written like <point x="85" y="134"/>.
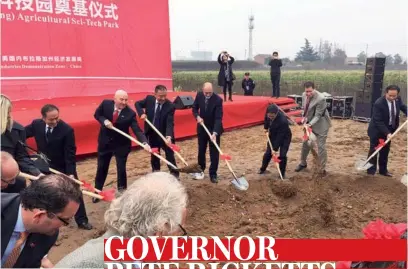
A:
<point x="225" y="75"/>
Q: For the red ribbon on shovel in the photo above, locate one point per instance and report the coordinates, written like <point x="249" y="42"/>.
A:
<point x="276" y="159"/>
<point x="108" y="195"/>
<point x="88" y="186"/>
<point x="305" y="136"/>
<point x="381" y="143"/>
<point x="226" y="157"/>
<point x="155" y="150"/>
<point x="174" y="147"/>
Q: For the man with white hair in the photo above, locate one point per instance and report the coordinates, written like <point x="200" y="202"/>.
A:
<point x="154" y="205"/>
<point x="115" y="113"/>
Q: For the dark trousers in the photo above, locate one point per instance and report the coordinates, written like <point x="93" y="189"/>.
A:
<point x="275" y="78"/>
<point x="17" y="187"/>
<point x="104" y="158"/>
<point x="227" y="84"/>
<point x="283" y="151"/>
<point x="248" y="93"/>
<point x="382" y="158"/>
<point x="157" y="142"/>
<point x="203" y="140"/>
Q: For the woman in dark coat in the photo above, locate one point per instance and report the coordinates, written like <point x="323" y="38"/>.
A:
<point x="225" y="75"/>
<point x="277" y="126"/>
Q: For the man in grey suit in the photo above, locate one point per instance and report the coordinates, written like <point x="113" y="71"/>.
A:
<point x="316" y="117"/>
<point x="154" y="205"/>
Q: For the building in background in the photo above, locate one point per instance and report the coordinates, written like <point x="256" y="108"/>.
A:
<point x="262" y="58"/>
<point x="201" y="55"/>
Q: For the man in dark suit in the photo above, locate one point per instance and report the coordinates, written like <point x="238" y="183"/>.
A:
<point x="115" y="113"/>
<point x="31" y="220"/>
<point x="56" y="139"/>
<point x="208" y="108"/>
<point x="160" y="112"/>
<point x="276" y="125"/>
<point x="384" y="122"/>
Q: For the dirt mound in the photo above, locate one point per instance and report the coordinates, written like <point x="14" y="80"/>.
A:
<point x="306" y="205"/>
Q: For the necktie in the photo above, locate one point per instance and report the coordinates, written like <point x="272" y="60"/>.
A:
<point x="15" y="253"/>
<point x="157" y="116"/>
<point x="307" y="106"/>
<point x="115" y="116"/>
<point x="393" y="120"/>
<point x="206" y="103"/>
<point x="48" y="134"/>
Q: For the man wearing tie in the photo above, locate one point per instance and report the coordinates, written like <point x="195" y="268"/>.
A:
<point x="115" y="113"/>
<point x="160" y="112"/>
<point x="207" y="108"/>
<point x="384" y="122"/>
<point x="316" y="117"/>
<point x="56" y="139"/>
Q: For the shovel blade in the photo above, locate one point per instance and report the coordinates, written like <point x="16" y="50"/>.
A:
<point x="361" y="164"/>
<point x="240" y="184"/>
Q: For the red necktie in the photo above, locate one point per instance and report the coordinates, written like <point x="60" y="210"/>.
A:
<point x="307" y="106"/>
<point x="115" y="116"/>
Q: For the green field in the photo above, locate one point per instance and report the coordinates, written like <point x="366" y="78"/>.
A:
<point x="334" y="82"/>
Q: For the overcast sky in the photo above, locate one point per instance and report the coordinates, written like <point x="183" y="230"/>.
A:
<point x="217" y="25"/>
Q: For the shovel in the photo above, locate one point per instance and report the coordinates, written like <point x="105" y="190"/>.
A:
<point x="181" y="170"/>
<point x="274" y="158"/>
<point x="364" y="164"/>
<point x="239" y="183"/>
<point x="195" y="168"/>
<point x="102" y="195"/>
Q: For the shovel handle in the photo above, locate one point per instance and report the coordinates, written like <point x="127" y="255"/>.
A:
<point x="140" y="144"/>
<point x="27" y="176"/>
<point x="165" y="140"/>
<point x="219" y="150"/>
<point x="75" y="180"/>
<point x="277" y="165"/>
<point x="386" y="142"/>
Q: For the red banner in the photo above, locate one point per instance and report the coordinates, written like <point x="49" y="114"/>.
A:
<point x="65" y="48"/>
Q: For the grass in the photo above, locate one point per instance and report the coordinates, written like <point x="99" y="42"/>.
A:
<point x="334" y="82"/>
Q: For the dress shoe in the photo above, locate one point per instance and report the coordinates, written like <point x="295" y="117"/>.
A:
<point x="261" y="172"/>
<point x="386" y="174"/>
<point x="85" y="226"/>
<point x="214" y="179"/>
<point x="300" y="168"/>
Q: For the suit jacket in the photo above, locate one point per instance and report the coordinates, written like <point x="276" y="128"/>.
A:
<point x="10" y="142"/>
<point x="60" y="149"/>
<point x="126" y="120"/>
<point x="212" y="117"/>
<point x="378" y="126"/>
<point x="89" y="255"/>
<point x="317" y="116"/>
<point x="279" y="130"/>
<point x="166" y="126"/>
<point x="36" y="245"/>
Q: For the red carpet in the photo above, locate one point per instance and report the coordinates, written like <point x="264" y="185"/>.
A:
<point x="78" y="112"/>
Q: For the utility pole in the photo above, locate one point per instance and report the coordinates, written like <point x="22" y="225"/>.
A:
<point x="250" y="28"/>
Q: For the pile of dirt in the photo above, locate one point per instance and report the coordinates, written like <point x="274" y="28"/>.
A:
<point x="302" y="206"/>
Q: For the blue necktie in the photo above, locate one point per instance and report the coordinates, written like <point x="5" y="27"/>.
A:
<point x="157" y="116"/>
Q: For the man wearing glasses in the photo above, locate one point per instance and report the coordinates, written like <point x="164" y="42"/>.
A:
<point x="31" y="220"/>
<point x="155" y="204"/>
<point x="9" y="172"/>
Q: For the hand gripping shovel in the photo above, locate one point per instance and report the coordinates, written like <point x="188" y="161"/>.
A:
<point x="195" y="168"/>
<point x="181" y="170"/>
<point x="274" y="158"/>
<point x="239" y="183"/>
<point x="364" y="164"/>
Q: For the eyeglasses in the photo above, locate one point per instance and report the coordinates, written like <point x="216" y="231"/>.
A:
<point x="11" y="181"/>
<point x="66" y="222"/>
<point x="183" y="230"/>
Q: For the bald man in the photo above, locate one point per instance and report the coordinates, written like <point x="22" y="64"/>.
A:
<point x="9" y="172"/>
<point x="207" y="108"/>
<point x="115" y="113"/>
